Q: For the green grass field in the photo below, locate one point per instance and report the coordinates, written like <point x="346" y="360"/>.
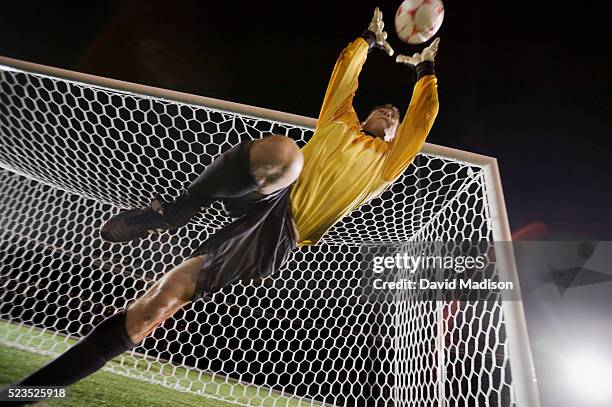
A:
<point x="109" y="389"/>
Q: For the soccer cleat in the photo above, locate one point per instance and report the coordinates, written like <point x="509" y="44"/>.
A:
<point x="135" y="224"/>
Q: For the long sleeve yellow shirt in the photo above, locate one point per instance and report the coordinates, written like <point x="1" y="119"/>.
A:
<point x="344" y="167"/>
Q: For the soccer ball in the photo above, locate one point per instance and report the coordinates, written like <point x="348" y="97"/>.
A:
<point x="416" y="21"/>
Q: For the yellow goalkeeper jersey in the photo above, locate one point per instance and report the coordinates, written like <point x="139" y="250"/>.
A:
<point x="344" y="167"/>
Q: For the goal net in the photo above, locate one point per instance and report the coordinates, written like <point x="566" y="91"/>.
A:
<point x="75" y="149"/>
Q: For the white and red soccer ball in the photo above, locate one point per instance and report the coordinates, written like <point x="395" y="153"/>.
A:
<point x="416" y="21"/>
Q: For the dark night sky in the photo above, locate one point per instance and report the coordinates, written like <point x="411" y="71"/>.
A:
<point x="526" y="82"/>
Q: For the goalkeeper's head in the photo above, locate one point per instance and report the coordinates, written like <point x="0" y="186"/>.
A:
<point x="382" y="122"/>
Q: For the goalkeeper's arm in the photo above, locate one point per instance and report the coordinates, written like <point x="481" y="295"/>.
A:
<point x="419" y="119"/>
<point x="343" y="83"/>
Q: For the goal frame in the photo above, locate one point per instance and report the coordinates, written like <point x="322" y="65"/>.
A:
<point x="523" y="373"/>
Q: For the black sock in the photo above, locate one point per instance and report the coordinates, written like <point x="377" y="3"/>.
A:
<point x="107" y="340"/>
<point x="228" y="176"/>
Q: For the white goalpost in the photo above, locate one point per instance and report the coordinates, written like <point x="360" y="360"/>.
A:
<point x="76" y="148"/>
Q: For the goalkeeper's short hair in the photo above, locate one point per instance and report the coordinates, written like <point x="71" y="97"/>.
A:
<point x="393" y="108"/>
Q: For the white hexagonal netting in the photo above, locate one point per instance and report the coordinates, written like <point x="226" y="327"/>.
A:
<point x="74" y="154"/>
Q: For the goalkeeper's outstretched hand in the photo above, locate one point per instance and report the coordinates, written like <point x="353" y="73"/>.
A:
<point x="428" y="54"/>
<point x="376" y="27"/>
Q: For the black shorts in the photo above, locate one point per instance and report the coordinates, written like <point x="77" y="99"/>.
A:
<point x="253" y="246"/>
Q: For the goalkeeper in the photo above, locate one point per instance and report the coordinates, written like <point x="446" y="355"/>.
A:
<point x="280" y="196"/>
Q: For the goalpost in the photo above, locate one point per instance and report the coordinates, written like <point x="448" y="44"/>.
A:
<point x="76" y="148"/>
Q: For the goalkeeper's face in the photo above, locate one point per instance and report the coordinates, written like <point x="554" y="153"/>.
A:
<point x="382" y="122"/>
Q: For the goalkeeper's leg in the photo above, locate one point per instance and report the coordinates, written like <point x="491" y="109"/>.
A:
<point x="122" y="331"/>
<point x="252" y="167"/>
